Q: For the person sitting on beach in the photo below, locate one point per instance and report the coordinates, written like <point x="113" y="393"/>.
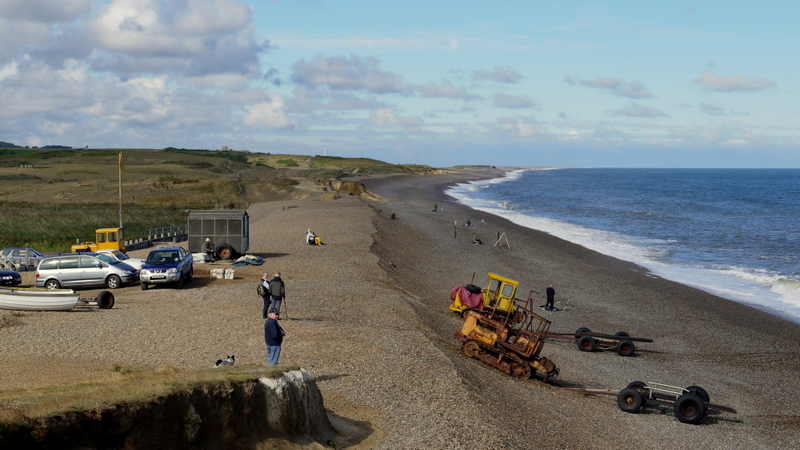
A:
<point x="468" y="223"/>
<point x="208" y="248"/>
<point x="476" y="240"/>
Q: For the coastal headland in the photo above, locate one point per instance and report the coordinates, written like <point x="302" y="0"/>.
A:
<point x="366" y="314"/>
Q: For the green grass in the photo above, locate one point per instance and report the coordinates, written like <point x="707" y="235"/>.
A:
<point x="55" y="227"/>
<point x="118" y="385"/>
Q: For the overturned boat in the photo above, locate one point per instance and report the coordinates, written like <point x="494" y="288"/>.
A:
<point x="36" y="299"/>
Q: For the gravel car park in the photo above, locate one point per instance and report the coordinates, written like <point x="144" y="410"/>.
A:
<point x="87" y="269"/>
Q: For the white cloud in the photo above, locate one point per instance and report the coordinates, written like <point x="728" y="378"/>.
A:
<point x="629" y="89"/>
<point x="713" y="82"/>
<point x="347" y="73"/>
<point x="636" y="110"/>
<point x="270" y="114"/>
<point x="388" y="118"/>
<point x="499" y="74"/>
<point x="512" y="101"/>
<point x="444" y="89"/>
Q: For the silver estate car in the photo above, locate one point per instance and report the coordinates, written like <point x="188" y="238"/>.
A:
<point x="84" y="270"/>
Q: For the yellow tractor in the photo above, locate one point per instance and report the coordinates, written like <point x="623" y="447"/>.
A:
<point x="105" y="238"/>
<point x="499" y="295"/>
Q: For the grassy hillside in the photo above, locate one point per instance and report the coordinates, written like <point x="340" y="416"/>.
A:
<point x="51" y="197"/>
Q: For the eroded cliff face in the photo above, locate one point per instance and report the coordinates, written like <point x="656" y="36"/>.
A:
<point x="223" y="416"/>
<point x="352" y="188"/>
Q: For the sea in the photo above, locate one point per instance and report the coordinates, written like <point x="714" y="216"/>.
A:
<point x="734" y="233"/>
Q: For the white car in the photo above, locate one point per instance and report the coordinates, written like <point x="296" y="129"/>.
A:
<point x="136" y="263"/>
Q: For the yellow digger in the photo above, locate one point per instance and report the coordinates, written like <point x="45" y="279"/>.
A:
<point x="105" y="238"/>
<point x="499" y="295"/>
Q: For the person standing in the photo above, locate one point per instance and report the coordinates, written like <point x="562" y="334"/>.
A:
<point x="265" y="294"/>
<point x="278" y="291"/>
<point x="551" y="296"/>
<point x="273" y="336"/>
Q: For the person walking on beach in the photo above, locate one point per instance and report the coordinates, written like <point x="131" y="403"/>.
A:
<point x="273" y="336"/>
<point x="551" y="296"/>
<point x="263" y="291"/>
<point x="278" y="291"/>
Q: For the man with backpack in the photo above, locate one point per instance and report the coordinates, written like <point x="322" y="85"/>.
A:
<point x="277" y="291"/>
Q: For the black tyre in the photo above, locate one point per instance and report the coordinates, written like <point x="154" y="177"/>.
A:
<point x="636" y="385"/>
<point x="52" y="284"/>
<point x="225" y="251"/>
<point x="105" y="300"/>
<point x="622" y="334"/>
<point x="113" y="282"/>
<point x="587" y="344"/>
<point x="630" y="400"/>
<point x="473" y="289"/>
<point x="191" y="275"/>
<point x="700" y="392"/>
<point x="581" y="330"/>
<point x="689" y="408"/>
<point x="625" y="347"/>
<point x="179" y="283"/>
<point x="144" y="286"/>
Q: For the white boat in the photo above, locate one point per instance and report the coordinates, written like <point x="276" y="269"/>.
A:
<point x="34" y="299"/>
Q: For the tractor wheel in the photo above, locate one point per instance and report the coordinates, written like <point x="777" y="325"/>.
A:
<point x="105" y="300"/>
<point x="625" y="347"/>
<point x="700" y="392"/>
<point x="471" y="349"/>
<point x="521" y="370"/>
<point x="622" y="334"/>
<point x="52" y="284"/>
<point x="587" y="344"/>
<point x="113" y="282"/>
<point x="630" y="400"/>
<point x="225" y="251"/>
<point x="689" y="408"/>
<point x="581" y="330"/>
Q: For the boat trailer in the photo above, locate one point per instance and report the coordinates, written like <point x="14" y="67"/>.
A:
<point x="588" y="341"/>
<point x="689" y="404"/>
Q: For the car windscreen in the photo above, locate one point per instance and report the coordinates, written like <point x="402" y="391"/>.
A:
<point x="106" y="259"/>
<point x="158" y="257"/>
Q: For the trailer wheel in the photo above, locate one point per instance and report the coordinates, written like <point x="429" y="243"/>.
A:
<point x="625" y="347"/>
<point x="700" y="392"/>
<point x="629" y="400"/>
<point x="581" y="330"/>
<point x="105" y="300"/>
<point x="225" y="251"/>
<point x="636" y="385"/>
<point x="689" y="408"/>
<point x="471" y="349"/>
<point x="587" y="344"/>
<point x="622" y="334"/>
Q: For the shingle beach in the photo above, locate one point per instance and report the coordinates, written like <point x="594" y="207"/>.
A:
<point x="367" y="315"/>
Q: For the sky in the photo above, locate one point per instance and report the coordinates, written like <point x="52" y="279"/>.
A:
<point x="443" y="83"/>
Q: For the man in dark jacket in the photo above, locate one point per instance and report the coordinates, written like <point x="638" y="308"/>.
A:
<point x="273" y="335"/>
<point x="278" y="292"/>
<point x="551" y="295"/>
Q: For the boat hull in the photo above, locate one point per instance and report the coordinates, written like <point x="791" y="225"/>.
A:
<point x="32" y="299"/>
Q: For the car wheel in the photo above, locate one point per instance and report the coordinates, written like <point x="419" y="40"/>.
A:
<point x="113" y="282"/>
<point x="52" y="284"/>
<point x="179" y="283"/>
<point x="144" y="286"/>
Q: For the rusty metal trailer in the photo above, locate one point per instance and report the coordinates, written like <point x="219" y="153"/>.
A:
<point x="690" y="404"/>
<point x="588" y="341"/>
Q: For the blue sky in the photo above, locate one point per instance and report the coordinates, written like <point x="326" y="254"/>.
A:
<point x="523" y="83"/>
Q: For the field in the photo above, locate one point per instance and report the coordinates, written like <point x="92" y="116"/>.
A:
<point x="51" y="198"/>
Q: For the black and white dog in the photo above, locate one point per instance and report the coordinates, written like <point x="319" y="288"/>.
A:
<point x="225" y="362"/>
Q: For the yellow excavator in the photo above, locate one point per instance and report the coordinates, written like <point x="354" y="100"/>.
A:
<point x="499" y="295"/>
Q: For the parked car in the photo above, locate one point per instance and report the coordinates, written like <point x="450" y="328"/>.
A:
<point x="136" y="263"/>
<point x="85" y="269"/>
<point x="9" y="278"/>
<point x="167" y="265"/>
<point x="22" y="256"/>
